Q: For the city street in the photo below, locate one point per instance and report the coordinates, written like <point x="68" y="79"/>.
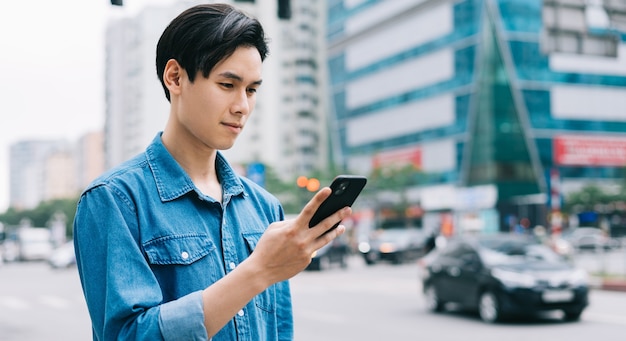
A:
<point x="381" y="302"/>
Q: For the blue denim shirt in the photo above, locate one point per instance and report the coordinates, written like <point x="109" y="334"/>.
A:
<point x="148" y="242"/>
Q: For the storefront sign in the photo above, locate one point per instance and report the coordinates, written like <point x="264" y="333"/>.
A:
<point x="589" y="151"/>
<point x="399" y="158"/>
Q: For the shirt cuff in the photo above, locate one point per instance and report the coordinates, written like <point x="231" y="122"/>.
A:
<point x="183" y="319"/>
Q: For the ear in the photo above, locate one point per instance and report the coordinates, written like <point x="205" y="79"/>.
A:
<point x="172" y="75"/>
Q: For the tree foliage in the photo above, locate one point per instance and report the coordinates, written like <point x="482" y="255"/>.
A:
<point x="589" y="197"/>
<point x="41" y="215"/>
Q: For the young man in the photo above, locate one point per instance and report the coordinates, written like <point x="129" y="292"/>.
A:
<point x="173" y="245"/>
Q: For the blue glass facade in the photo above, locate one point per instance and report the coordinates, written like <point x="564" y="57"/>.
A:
<point x="521" y="24"/>
<point x="504" y="125"/>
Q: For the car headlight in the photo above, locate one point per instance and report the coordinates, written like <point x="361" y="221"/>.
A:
<point x="364" y="247"/>
<point x="514" y="279"/>
<point x="387" y="248"/>
<point x="579" y="278"/>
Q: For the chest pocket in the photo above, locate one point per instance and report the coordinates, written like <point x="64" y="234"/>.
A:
<point x="178" y="249"/>
<point x="265" y="300"/>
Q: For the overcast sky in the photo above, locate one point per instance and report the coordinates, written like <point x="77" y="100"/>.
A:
<point x="51" y="70"/>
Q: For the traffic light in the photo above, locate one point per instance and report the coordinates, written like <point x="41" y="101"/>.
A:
<point x="284" y="9"/>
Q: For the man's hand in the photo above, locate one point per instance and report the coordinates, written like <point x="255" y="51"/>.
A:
<point x="286" y="248"/>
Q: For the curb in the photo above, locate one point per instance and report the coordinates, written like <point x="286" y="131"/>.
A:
<point x="608" y="284"/>
<point x="614" y="285"/>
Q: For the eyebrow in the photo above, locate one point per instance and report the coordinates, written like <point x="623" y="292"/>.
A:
<point x="230" y="75"/>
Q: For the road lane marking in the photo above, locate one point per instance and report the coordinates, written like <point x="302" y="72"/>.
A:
<point x="54" y="302"/>
<point x="13" y="302"/>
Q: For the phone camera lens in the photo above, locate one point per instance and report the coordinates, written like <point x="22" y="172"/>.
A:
<point x="342" y="187"/>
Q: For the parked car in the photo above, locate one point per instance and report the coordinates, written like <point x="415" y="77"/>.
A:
<point x="333" y="253"/>
<point x="63" y="256"/>
<point x="590" y="238"/>
<point x="501" y="276"/>
<point x="396" y="245"/>
<point x="27" y="244"/>
<point x="10" y="250"/>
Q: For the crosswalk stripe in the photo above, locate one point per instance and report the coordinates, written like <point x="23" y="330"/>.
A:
<point x="50" y="301"/>
<point x="15" y="303"/>
<point x="55" y="302"/>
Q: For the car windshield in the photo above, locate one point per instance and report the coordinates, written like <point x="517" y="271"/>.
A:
<point x="515" y="251"/>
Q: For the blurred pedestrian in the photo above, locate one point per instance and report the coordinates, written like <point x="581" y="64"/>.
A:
<point x="523" y="226"/>
<point x="173" y="244"/>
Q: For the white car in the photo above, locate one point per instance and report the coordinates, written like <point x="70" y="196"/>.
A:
<point x="34" y="243"/>
<point x="63" y="256"/>
<point x="591" y="238"/>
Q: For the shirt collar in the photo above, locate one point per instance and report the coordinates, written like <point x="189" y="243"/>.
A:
<point x="172" y="181"/>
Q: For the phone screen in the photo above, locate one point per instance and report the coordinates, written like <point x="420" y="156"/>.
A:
<point x="345" y="190"/>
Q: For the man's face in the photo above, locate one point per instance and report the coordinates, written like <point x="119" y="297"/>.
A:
<point x="214" y="110"/>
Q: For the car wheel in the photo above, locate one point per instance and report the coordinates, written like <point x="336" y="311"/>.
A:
<point x="433" y="303"/>
<point x="369" y="260"/>
<point x="573" y="315"/>
<point x="489" y="307"/>
<point x="324" y="263"/>
<point x="397" y="259"/>
<point x="343" y="262"/>
<point x="314" y="265"/>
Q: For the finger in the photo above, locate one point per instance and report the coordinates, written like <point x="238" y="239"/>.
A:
<point x="309" y="209"/>
<point x="326" y="225"/>
<point x="328" y="236"/>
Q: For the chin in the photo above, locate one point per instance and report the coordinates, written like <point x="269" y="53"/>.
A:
<point x="226" y="147"/>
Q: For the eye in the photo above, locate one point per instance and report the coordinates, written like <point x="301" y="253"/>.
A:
<point x="227" y="85"/>
<point x="252" y="90"/>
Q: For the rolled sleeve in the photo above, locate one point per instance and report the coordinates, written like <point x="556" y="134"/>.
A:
<point x="183" y="319"/>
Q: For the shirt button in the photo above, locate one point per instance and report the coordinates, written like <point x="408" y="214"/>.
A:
<point x="232" y="265"/>
<point x="240" y="313"/>
<point x="185" y="255"/>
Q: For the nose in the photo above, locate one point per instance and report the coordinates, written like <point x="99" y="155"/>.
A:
<point x="241" y="103"/>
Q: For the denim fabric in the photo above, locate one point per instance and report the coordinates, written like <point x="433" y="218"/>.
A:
<point x="148" y="242"/>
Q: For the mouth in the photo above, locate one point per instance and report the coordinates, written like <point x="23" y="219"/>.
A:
<point x="236" y="127"/>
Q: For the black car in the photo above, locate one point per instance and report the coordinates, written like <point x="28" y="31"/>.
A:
<point x="503" y="275"/>
<point x="333" y="253"/>
<point x="395" y="245"/>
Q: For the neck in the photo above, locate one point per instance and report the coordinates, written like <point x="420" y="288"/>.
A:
<point x="197" y="161"/>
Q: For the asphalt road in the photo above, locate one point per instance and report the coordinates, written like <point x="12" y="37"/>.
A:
<point x="381" y="302"/>
<point x="384" y="302"/>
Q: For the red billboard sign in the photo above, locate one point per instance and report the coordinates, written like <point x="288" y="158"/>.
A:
<point x="399" y="158"/>
<point x="589" y="151"/>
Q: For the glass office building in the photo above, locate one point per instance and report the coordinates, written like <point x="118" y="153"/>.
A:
<point x="502" y="105"/>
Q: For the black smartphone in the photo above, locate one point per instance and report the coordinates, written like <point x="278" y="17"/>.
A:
<point x="345" y="190"/>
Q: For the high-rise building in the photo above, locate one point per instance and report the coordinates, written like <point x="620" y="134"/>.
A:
<point x="40" y="170"/>
<point x="90" y="157"/>
<point x="503" y="105"/>
<point x="136" y="108"/>
<point x="287" y="130"/>
<point x="60" y="172"/>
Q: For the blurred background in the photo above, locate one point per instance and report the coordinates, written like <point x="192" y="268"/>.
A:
<point x="466" y="115"/>
<point x="481" y="116"/>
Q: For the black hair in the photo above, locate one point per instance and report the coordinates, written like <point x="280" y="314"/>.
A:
<point x="203" y="35"/>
